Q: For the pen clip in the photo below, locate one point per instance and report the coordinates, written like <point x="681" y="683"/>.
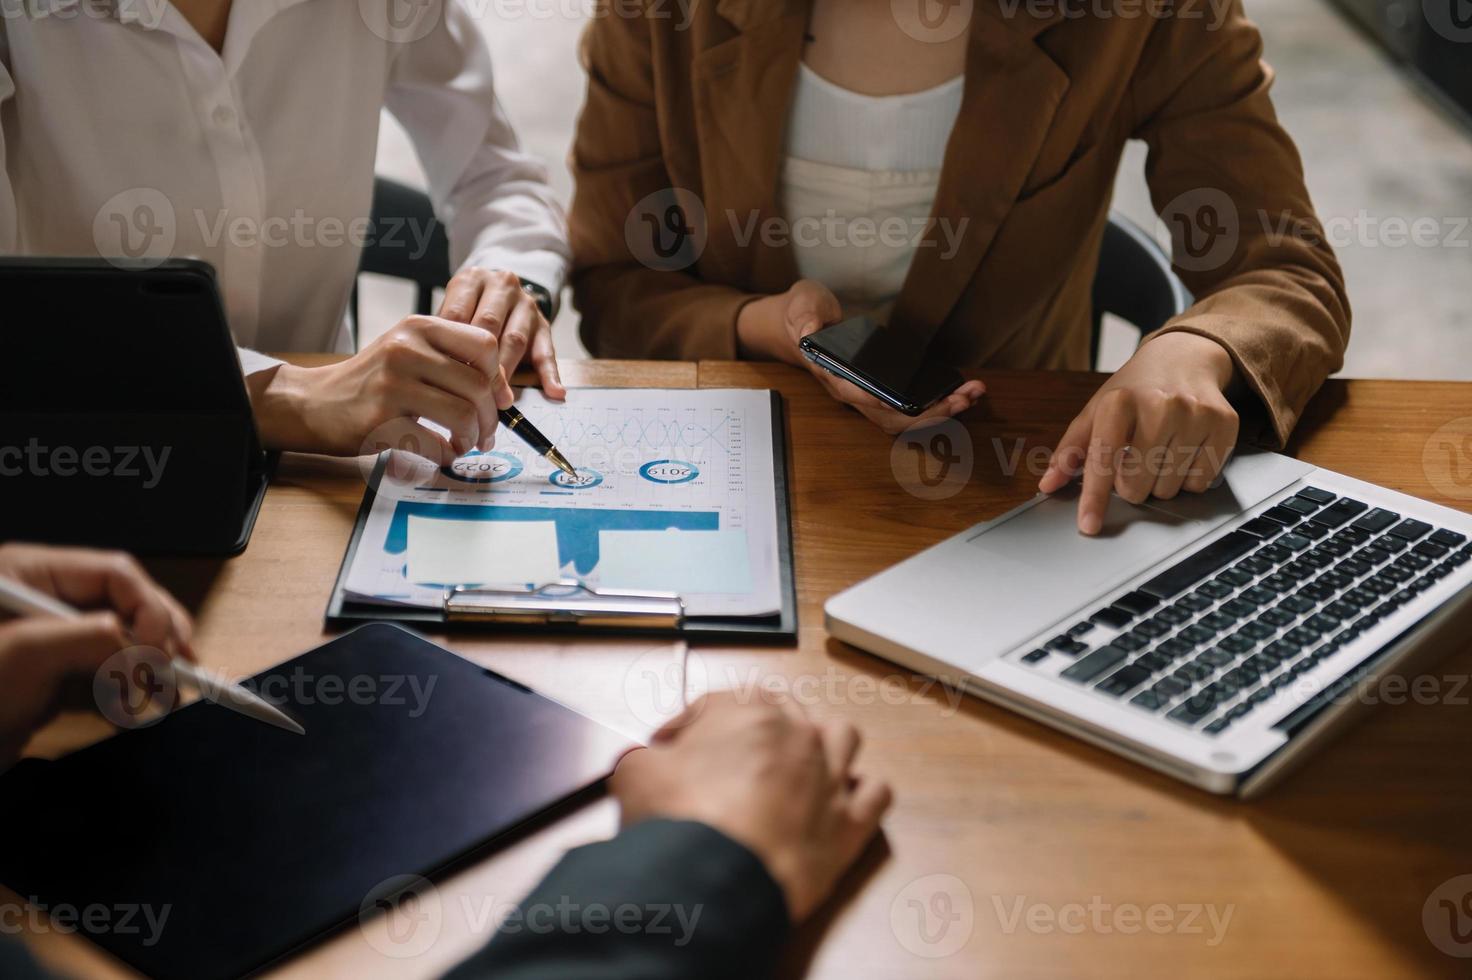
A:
<point x="566" y="602"/>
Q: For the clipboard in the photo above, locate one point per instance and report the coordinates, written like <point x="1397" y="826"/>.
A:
<point x="569" y="607"/>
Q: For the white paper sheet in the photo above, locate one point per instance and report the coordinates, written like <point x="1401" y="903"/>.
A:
<point x="518" y="553"/>
<point x="651" y="462"/>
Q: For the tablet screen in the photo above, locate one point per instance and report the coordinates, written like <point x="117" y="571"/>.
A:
<point x="242" y="842"/>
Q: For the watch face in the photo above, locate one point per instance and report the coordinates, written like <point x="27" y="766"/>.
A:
<point x="541" y="295"/>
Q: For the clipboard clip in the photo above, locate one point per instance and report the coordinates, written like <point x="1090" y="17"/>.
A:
<point x="566" y="603"/>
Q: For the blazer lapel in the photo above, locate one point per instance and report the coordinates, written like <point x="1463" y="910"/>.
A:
<point x="1012" y="91"/>
<point x="743" y="88"/>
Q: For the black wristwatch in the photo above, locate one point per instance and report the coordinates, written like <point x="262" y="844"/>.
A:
<point x="545" y="300"/>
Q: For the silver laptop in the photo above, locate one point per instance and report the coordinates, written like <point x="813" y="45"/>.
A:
<point x="1215" y="637"/>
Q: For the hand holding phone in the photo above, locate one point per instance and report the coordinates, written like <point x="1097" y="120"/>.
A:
<point x="887" y="365"/>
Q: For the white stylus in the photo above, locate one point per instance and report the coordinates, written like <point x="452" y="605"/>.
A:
<point x="22" y="600"/>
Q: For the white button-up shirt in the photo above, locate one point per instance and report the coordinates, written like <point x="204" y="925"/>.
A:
<point x="123" y="133"/>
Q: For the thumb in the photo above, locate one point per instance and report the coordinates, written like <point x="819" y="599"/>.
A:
<point x="62" y="647"/>
<point x="813" y="306"/>
<point x="44" y="653"/>
<point x="1069" y="456"/>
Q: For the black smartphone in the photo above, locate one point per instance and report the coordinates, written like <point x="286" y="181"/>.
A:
<point x="885" y="363"/>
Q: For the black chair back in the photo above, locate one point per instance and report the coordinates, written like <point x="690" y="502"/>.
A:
<point x="1135" y="281"/>
<point x="406" y="242"/>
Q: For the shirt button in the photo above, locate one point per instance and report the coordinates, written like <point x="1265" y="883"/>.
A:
<point x="223" y="116"/>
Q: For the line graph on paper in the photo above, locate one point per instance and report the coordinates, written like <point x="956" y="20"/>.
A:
<point x="697" y="430"/>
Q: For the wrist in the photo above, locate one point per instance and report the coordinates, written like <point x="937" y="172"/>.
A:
<point x="278" y="400"/>
<point x="1212" y="357"/>
<point x="760" y="334"/>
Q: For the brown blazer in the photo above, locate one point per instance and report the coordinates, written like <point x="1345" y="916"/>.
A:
<point x="1050" y="100"/>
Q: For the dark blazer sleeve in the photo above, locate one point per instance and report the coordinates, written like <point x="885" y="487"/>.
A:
<point x="663" y="899"/>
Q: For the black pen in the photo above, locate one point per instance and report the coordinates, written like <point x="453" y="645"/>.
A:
<point x="517" y="423"/>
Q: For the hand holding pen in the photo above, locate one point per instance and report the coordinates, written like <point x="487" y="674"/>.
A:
<point x="50" y="653"/>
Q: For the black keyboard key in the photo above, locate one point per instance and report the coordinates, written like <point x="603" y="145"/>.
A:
<point x="1195" y="602"/>
<point x="1413" y="562"/>
<point x="1316" y="559"/>
<point x="1294" y="542"/>
<point x="1318" y="592"/>
<point x="1215" y="589"/>
<point x="1234" y="576"/>
<point x="1448" y="537"/>
<point x="1035" y="656"/>
<point x="1342" y="512"/>
<point x="1149" y="700"/>
<point x="1335" y="547"/>
<point x="1079" y="629"/>
<point x="1353" y="566"/>
<point x="1304" y="636"/>
<point x="1441" y="571"/>
<point x="1320" y="497"/>
<point x="1340" y="610"/>
<point x="1115" y="617"/>
<point x="1279" y="583"/>
<point x="1095" y="664"/>
<point x="1457" y="558"/>
<point x="1299" y="570"/>
<point x="1131" y="641"/>
<point x="1411" y="529"/>
<point x="1218" y="726"/>
<point x="1430" y="549"/>
<point x="1173" y="616"/>
<point x="1277" y="617"/>
<point x="1392" y="544"/>
<point x="1296" y="604"/>
<point x="1218" y="621"/>
<point x="1123" y="680"/>
<point x="1243" y="676"/>
<point x="1187" y="573"/>
<point x="1335" y="579"/>
<point x="1217" y="658"/>
<point x="1312" y="530"/>
<point x="1194" y="672"/>
<point x="1236" y="643"/>
<point x="1373" y="555"/>
<point x="1066" y="644"/>
<point x="1237" y="608"/>
<point x="1253" y="565"/>
<point x="1137" y="602"/>
<point x="1301" y="506"/>
<point x="1274" y="554"/>
<point x="1258" y="596"/>
<point x="1196" y="634"/>
<point x="1376" y="520"/>
<point x="1154" y="628"/>
<point x="1283" y="516"/>
<point x="1192" y="710"/>
<point x="1176" y="648"/>
<point x="1393" y="573"/>
<point x="1170" y="687"/>
<point x="1262" y="528"/>
<point x="1154" y="661"/>
<point x="1352" y="537"/>
<point x="1322" y="622"/>
<point x="1379" y="586"/>
<point x="1256" y="631"/>
<point x="1360" y="597"/>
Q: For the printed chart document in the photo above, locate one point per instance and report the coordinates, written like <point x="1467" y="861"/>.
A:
<point x="674" y="494"/>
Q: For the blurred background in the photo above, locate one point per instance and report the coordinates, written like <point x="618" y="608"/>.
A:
<point x="1370" y="95"/>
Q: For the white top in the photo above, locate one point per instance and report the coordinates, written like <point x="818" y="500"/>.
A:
<point x="830" y="124"/>
<point x="858" y="185"/>
<point x="122" y="132"/>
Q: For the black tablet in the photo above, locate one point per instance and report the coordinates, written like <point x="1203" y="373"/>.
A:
<point x="228" y="843"/>
<point x="124" y="417"/>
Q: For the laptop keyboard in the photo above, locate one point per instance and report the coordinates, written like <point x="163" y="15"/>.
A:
<point x="1210" y="638"/>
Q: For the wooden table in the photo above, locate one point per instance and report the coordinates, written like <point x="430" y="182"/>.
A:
<point x="1032" y="854"/>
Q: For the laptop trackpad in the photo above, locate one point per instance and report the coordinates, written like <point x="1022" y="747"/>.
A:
<point x="1039" y="558"/>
